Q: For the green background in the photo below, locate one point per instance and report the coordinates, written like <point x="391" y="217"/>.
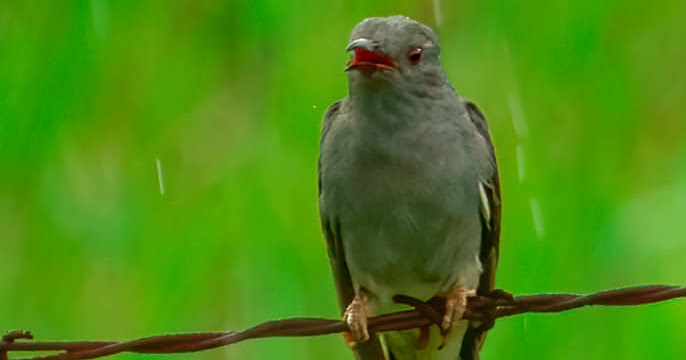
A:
<point x="585" y="101"/>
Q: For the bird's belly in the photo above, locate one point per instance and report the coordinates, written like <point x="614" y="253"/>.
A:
<point x="405" y="233"/>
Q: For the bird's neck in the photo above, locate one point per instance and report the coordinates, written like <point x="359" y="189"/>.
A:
<point x="379" y="105"/>
<point x="388" y="108"/>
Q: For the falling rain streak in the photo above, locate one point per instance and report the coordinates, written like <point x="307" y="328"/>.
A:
<point x="437" y="13"/>
<point x="522" y="133"/>
<point x="160" y="179"/>
<point x="537" y="217"/>
<point x="521" y="164"/>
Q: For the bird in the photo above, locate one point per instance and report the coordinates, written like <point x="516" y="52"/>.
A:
<point x="409" y="193"/>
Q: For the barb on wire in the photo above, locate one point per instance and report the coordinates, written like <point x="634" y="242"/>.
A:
<point x="484" y="307"/>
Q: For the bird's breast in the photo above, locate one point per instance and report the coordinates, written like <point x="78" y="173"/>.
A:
<point x="407" y="216"/>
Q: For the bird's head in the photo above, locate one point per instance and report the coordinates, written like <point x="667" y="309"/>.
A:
<point x="394" y="50"/>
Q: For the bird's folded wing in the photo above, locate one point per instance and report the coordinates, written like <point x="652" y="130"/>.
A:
<point x="489" y="190"/>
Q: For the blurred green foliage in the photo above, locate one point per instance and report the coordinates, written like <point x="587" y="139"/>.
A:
<point x="585" y="101"/>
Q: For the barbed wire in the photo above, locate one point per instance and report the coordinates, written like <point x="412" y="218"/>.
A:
<point x="484" y="308"/>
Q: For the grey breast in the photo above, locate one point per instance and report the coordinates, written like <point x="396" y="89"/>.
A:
<point x="406" y="197"/>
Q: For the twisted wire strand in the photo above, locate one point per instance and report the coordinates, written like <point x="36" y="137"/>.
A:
<point x="485" y="307"/>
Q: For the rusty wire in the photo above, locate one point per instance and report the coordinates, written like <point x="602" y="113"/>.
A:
<point x="486" y="308"/>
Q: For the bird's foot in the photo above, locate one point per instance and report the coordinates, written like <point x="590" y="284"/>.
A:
<point x="355" y="316"/>
<point x="455" y="305"/>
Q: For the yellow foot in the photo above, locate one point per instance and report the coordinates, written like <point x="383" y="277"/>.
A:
<point x="355" y="316"/>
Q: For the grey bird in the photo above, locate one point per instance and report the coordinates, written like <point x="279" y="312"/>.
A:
<point x="409" y="194"/>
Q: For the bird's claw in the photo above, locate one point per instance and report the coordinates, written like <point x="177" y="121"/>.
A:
<point x="455" y="305"/>
<point x="355" y="316"/>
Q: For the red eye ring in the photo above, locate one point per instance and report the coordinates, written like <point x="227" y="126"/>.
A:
<point x="414" y="55"/>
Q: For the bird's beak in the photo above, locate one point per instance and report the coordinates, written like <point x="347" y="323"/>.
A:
<point x="366" y="54"/>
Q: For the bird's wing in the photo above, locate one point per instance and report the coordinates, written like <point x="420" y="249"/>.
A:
<point x="489" y="190"/>
<point x="331" y="227"/>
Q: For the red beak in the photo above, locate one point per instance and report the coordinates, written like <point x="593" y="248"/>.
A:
<point x="365" y="55"/>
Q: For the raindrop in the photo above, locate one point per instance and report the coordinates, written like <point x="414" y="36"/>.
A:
<point x="437" y="13"/>
<point x="521" y="164"/>
<point x="160" y="179"/>
<point x="515" y="105"/>
<point x="537" y="216"/>
<point x="99" y="16"/>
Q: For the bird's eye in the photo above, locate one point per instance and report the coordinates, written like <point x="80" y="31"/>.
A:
<point x="414" y="55"/>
